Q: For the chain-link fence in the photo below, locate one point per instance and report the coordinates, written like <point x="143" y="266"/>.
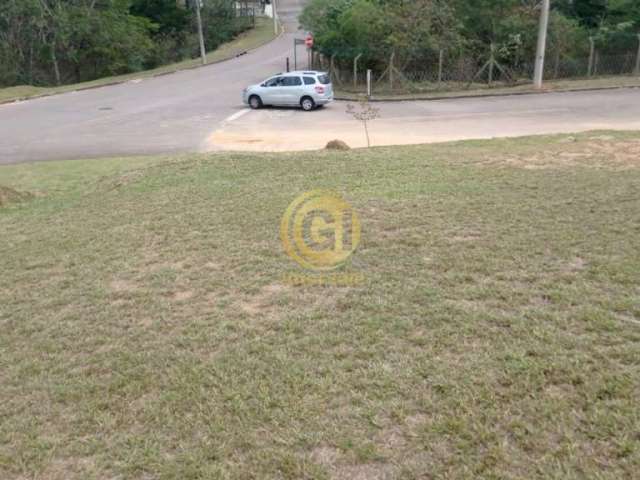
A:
<point x="441" y="70"/>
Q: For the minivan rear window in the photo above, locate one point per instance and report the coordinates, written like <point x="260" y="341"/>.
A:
<point x="291" y="81"/>
<point x="309" y="81"/>
<point x="324" y="79"/>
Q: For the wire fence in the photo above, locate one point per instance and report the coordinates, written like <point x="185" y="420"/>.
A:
<point x="442" y="71"/>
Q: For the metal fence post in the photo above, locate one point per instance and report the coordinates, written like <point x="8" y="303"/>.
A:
<point x="592" y="54"/>
<point x="335" y="71"/>
<point x="492" y="64"/>
<point x="368" y="83"/>
<point x="295" y="54"/>
<point x="332" y="67"/>
<point x="440" y="67"/>
<point x="393" y="54"/>
<point x="355" y="71"/>
<point x="637" y="71"/>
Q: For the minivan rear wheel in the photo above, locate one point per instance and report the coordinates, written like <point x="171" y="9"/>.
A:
<point x="307" y="104"/>
<point x="255" y="102"/>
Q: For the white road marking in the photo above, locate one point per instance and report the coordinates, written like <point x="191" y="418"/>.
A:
<point x="236" y="115"/>
<point x="207" y="144"/>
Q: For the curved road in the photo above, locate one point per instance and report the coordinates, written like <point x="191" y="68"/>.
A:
<point x="171" y="113"/>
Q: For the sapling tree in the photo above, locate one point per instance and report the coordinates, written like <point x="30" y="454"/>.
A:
<point x="364" y="113"/>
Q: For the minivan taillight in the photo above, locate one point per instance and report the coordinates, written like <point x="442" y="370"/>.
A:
<point x="319" y="89"/>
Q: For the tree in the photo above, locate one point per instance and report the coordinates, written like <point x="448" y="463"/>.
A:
<point x="44" y="42"/>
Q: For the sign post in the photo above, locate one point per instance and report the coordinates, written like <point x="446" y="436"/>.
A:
<point x="296" y="42"/>
<point x="309" y="43"/>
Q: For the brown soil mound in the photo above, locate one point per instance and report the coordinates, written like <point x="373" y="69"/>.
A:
<point x="337" y="145"/>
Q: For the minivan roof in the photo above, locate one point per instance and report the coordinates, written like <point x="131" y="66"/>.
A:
<point x="305" y="72"/>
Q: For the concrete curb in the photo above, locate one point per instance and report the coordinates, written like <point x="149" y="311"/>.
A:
<point x="161" y="74"/>
<point x="485" y="95"/>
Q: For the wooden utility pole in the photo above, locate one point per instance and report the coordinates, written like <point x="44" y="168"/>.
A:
<point x="538" y="76"/>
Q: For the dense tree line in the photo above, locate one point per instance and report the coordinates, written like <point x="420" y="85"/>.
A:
<point x="47" y="42"/>
<point x="416" y="30"/>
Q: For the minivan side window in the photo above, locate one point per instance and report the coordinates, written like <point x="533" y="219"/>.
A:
<point x="274" y="82"/>
<point x="309" y="81"/>
<point x="291" y="82"/>
<point x="324" y="79"/>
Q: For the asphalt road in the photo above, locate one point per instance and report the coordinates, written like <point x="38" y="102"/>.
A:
<point x="167" y="114"/>
<point x="201" y="110"/>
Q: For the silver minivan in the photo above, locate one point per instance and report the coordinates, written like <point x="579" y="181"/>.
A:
<point x="306" y="89"/>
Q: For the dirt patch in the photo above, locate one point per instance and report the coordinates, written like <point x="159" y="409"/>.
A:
<point x="326" y="456"/>
<point x="596" y="152"/>
<point x="122" y="286"/>
<point x="263" y="301"/>
<point x="9" y="195"/>
<point x="182" y="296"/>
<point x="330" y="458"/>
<point x="466" y="236"/>
<point x="576" y="265"/>
<point x="369" y="471"/>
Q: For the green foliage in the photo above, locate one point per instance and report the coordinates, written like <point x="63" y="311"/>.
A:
<point x="46" y="42"/>
<point x="375" y="29"/>
<point x="221" y="23"/>
<point x="170" y="18"/>
<point x="416" y="31"/>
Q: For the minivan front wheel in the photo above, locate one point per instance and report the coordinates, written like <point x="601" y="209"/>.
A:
<point x="255" y="102"/>
<point x="307" y="104"/>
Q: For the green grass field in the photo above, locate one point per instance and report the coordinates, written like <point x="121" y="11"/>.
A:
<point x="256" y="37"/>
<point x="146" y="332"/>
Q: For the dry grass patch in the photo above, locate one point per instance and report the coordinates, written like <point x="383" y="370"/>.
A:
<point x="148" y="331"/>
<point x="602" y="151"/>
<point x="9" y="195"/>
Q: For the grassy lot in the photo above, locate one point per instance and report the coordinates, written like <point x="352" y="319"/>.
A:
<point x="147" y="334"/>
<point x="261" y="34"/>
<point x="431" y="91"/>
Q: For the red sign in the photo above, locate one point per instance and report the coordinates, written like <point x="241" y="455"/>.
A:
<point x="309" y="41"/>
